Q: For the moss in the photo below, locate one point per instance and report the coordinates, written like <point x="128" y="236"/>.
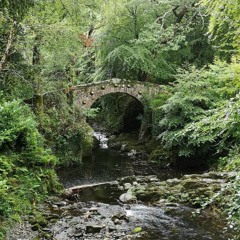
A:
<point x="137" y="230"/>
<point x="161" y="156"/>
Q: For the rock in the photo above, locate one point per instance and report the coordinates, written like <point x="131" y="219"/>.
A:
<point x="78" y="235"/>
<point x="46" y="229"/>
<point x="117" y="222"/>
<point x="35" y="227"/>
<point x="186" y="176"/>
<point x="132" y="153"/>
<point x="128" y="198"/>
<point x="119" y="216"/>
<point x="154" y="179"/>
<point x="93" y="210"/>
<point x="55" y="207"/>
<point x="124" y="148"/>
<point x="151" y="178"/>
<point x="112" y="228"/>
<point x="128" y="207"/>
<point x="172" y="182"/>
<point x="127" y="185"/>
<point x="141" y="179"/>
<point x="194" y="184"/>
<point x="115" y="146"/>
<point x="121" y="188"/>
<point x="128" y="179"/>
<point x="171" y="204"/>
<point x="94" y="228"/>
<point x="60" y="204"/>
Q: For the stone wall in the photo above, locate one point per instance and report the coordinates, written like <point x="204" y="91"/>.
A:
<point x="86" y="95"/>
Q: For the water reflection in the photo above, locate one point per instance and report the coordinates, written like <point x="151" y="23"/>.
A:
<point x="104" y="165"/>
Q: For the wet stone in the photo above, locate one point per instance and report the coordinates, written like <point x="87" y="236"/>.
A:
<point x="94" y="228"/>
<point x="106" y="221"/>
<point x="127" y="185"/>
<point x="120" y="216"/>
<point x="60" y="204"/>
<point x="77" y="235"/>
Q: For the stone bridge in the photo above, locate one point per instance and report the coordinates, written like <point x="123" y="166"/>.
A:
<point x="86" y="95"/>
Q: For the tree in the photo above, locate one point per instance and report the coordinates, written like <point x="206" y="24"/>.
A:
<point x="188" y="120"/>
<point x="140" y="39"/>
<point x="224" y="24"/>
<point x="11" y="13"/>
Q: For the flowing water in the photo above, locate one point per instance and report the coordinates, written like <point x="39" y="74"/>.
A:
<point x="171" y="223"/>
<point x="107" y="165"/>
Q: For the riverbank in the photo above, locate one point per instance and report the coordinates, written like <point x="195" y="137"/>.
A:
<point x="137" y="207"/>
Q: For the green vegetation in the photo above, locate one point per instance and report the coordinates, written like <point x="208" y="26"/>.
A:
<point x="48" y="47"/>
<point x="26" y="166"/>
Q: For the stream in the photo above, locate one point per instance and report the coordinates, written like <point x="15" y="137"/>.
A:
<point x="106" y="164"/>
<point x="91" y="220"/>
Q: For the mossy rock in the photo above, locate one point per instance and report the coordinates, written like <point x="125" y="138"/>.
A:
<point x="137" y="230"/>
<point x="152" y="145"/>
<point x="162" y="157"/>
<point x="148" y="196"/>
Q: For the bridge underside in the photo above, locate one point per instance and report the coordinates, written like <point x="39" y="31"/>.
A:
<point x="120" y="110"/>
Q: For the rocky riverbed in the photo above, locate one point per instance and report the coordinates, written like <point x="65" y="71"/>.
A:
<point x="135" y="207"/>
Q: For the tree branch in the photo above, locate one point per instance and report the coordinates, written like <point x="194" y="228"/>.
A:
<point x="181" y="14"/>
<point x="174" y="11"/>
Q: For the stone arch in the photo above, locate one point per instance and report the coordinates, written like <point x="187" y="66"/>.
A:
<point x="127" y="109"/>
<point x="138" y="99"/>
<point x="87" y="94"/>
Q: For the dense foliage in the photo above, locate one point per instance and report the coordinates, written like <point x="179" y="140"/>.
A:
<point x="26" y="166"/>
<point x="148" y="40"/>
<point x="198" y="116"/>
<point x="224" y="25"/>
<point x="196" y="96"/>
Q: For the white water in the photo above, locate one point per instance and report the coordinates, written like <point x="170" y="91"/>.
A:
<point x="102" y="138"/>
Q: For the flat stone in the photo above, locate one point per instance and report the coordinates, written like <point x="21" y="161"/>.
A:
<point x="172" y="182"/>
<point x="187" y="176"/>
<point x="154" y="179"/>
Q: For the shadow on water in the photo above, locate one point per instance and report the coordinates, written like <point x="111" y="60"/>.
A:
<point x="108" y="165"/>
<point x="104" y="165"/>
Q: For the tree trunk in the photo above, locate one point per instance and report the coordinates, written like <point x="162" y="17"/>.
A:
<point x="6" y="53"/>
<point x="39" y="96"/>
<point x="143" y="76"/>
<point x="40" y="105"/>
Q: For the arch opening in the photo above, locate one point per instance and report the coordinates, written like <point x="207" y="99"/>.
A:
<point x="118" y="113"/>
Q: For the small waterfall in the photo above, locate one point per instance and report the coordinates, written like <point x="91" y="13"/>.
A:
<point x="102" y="138"/>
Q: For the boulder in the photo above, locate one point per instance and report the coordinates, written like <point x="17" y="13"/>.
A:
<point x="128" y="198"/>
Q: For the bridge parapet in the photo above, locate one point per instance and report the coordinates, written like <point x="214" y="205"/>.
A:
<point x="87" y="94"/>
